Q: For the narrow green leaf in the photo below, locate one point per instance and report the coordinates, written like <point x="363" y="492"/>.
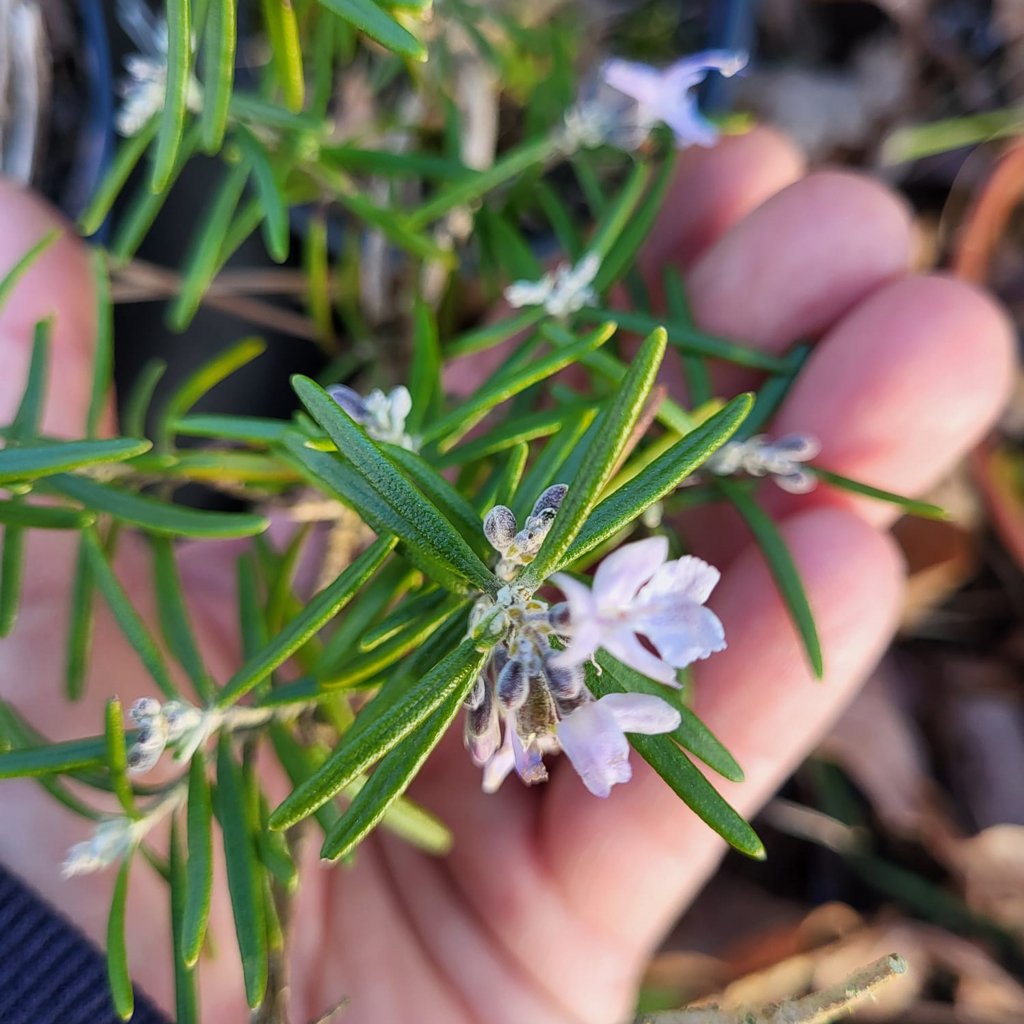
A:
<point x="615" y="220"/>
<point x="283" y="32"/>
<point x="117" y="757"/>
<point x="179" y="80"/>
<point x="15" y="274"/>
<point x="695" y="370"/>
<point x="638" y="218"/>
<point x="175" y="626"/>
<point x="273" y="850"/>
<point x="687" y="339"/>
<point x="449" y="429"/>
<point x="483" y="338"/>
<point x="384" y="163"/>
<point x="773" y="391"/>
<point x="251" y="430"/>
<point x="692" y="734"/>
<point x="516" y="429"/>
<point x="80" y="625"/>
<point x="313" y="617"/>
<point x="275" y="207"/>
<point x="158" y="517"/>
<point x="392" y="777"/>
<point x="688" y="782"/>
<point x="203" y="260"/>
<point x="911" y="506"/>
<point x="31" y="462"/>
<point x="117" y="949"/>
<point x="207" y="377"/>
<point x="461" y="193"/>
<point x="219" y="38"/>
<point x="602" y="455"/>
<point x="43" y="517"/>
<point x="380" y="727"/>
<point x="431" y="532"/>
<point x="186" y="1004"/>
<point x="316" y="261"/>
<point x="659" y="479"/>
<point x="245" y="875"/>
<point x="27" y="419"/>
<point x="138" y="218"/>
<point x="511" y="251"/>
<point x="369" y="18"/>
<point x="300" y="764"/>
<point x="128" y="154"/>
<point x="140" y="396"/>
<point x="560" y="219"/>
<point x="12" y="572"/>
<point x="199" y="871"/>
<point x="425" y="374"/>
<point x="548" y="465"/>
<point x="444" y="496"/>
<point x="405" y="613"/>
<point x="54" y="758"/>
<point x="103" y="353"/>
<point x="780" y="564"/>
<point x="127" y="617"/>
<point x="370" y="664"/>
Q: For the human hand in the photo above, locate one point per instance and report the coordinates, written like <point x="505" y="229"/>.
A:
<point x="552" y="900"/>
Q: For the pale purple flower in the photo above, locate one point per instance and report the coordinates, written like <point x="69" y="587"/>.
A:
<point x="561" y="292"/>
<point x="382" y="415"/>
<point x="781" y="459"/>
<point x="667" y="95"/>
<point x="635" y="593"/>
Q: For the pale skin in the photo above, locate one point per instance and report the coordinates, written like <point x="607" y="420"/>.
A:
<point x="552" y="900"/>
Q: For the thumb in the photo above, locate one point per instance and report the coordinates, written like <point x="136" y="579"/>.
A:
<point x="58" y="283"/>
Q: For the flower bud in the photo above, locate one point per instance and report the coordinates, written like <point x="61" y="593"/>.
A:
<point x="500" y="527"/>
<point x="513" y="685"/>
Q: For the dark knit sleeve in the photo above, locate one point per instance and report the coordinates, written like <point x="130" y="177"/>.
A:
<point x="49" y="972"/>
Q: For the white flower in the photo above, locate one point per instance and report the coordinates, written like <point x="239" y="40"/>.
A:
<point x="111" y="840"/>
<point x="562" y="292"/>
<point x="176" y="722"/>
<point x="382" y="415"/>
<point x="781" y="460"/>
<point x="636" y="592"/>
<point x="145" y="88"/>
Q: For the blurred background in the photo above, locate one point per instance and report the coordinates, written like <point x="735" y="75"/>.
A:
<point x="905" y="830"/>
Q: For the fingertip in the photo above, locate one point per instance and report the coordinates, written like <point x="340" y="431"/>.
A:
<point x="58" y="283"/>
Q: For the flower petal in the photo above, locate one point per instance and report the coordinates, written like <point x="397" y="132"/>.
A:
<point x="351" y="401"/>
<point x="528" y="760"/>
<point x="641" y="712"/>
<point x="687" y="577"/>
<point x="684" y="634"/>
<point x="688" y="124"/>
<point x="640" y="81"/>
<point x="596" y="746"/>
<point x="623" y="645"/>
<point x="400" y="402"/>
<point x="498" y="767"/>
<point x="626" y="570"/>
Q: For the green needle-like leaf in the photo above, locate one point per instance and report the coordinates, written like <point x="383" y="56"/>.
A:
<point x="186" y="1004"/>
<point x="54" y="758"/>
<point x="43" y="517"/>
<point x="103" y="353"/>
<point x="127" y="617"/>
<point x="175" y="626"/>
<point x="369" y="18"/>
<point x="431" y="531"/>
<point x="275" y="221"/>
<point x="320" y="610"/>
<point x="248" y="429"/>
<point x="207" y="377"/>
<point x="911" y="506"/>
<point x="483" y="338"/>
<point x="692" y="734"/>
<point x="140" y="397"/>
<point x="128" y="154"/>
<point x="602" y="456"/>
<point x="659" y="479"/>
<point x="283" y="32"/>
<point x="245" y="874"/>
<point x="689" y="783"/>
<point x="117" y="949"/>
<point x="26" y="421"/>
<point x="17" y="272"/>
<point x="407" y="612"/>
<point x="199" y="871"/>
<point x="158" y="517"/>
<point x="380" y="727"/>
<point x="80" y="625"/>
<point x="616" y="220"/>
<point x="392" y="777"/>
<point x="425" y="374"/>
<point x="179" y="79"/>
<point x="695" y="369"/>
<point x="780" y="564"/>
<point x="219" y="39"/>
<point x="117" y="757"/>
<point x="32" y="462"/>
<point x="449" y="429"/>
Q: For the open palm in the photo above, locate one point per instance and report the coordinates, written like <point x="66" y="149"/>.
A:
<point x="552" y="899"/>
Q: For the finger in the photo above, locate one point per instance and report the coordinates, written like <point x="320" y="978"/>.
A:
<point x="901" y="389"/>
<point x="59" y="283"/>
<point x="627" y="865"/>
<point x="800" y="261"/>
